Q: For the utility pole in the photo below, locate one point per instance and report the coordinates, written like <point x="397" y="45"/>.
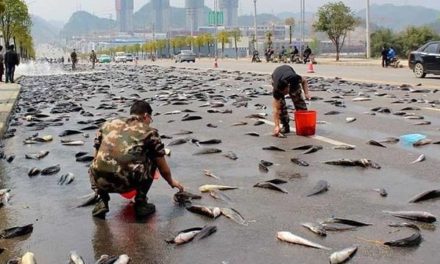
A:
<point x="255" y="25"/>
<point x="192" y="12"/>
<point x="302" y="17"/>
<point x="216" y="28"/>
<point x="368" y="30"/>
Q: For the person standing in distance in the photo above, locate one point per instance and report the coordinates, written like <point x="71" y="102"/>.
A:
<point x="285" y="81"/>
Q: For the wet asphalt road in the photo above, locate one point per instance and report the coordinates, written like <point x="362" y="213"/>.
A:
<point x="59" y="227"/>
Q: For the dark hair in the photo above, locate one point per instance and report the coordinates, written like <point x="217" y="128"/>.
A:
<point x="141" y="107"/>
<point x="11" y="47"/>
<point x="1" y="47"/>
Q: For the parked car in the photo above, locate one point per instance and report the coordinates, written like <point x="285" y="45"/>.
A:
<point x="104" y="58"/>
<point x="120" y="57"/>
<point x="129" y="57"/>
<point x="425" y="60"/>
<point x="185" y="55"/>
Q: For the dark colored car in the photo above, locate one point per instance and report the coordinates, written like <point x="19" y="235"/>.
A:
<point x="426" y="60"/>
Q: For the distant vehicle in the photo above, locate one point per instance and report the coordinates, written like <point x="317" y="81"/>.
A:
<point x="120" y="57"/>
<point x="129" y="57"/>
<point x="185" y="55"/>
<point x="104" y="58"/>
<point x="425" y="60"/>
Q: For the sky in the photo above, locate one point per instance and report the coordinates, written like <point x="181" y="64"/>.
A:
<point x="61" y="10"/>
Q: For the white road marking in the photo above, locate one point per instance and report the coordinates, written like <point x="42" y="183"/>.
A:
<point x="320" y="138"/>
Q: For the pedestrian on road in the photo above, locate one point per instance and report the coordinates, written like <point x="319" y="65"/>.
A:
<point x="286" y="81"/>
<point x="93" y="59"/>
<point x="384" y="54"/>
<point x="127" y="153"/>
<point x="74" y="59"/>
<point x="307" y="53"/>
<point x="11" y="61"/>
<point x="2" y="66"/>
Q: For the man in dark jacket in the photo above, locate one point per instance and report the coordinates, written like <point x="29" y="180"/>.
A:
<point x="2" y="66"/>
<point x="11" y="60"/>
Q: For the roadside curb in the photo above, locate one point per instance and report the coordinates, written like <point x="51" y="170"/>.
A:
<point x="8" y="98"/>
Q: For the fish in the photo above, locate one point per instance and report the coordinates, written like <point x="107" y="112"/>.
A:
<point x="66" y="179"/>
<point x="33" y="172"/>
<point x="382" y="192"/>
<point x="210" y="187"/>
<point x="80" y="154"/>
<point x="299" y="162"/>
<point x="291" y="238"/>
<point x="74" y="258"/>
<point x="211" y="125"/>
<point x="92" y="127"/>
<point x="210" y="174"/>
<point x="258" y="115"/>
<point x="234" y="215"/>
<point x="51" y="170"/>
<point x="343" y="255"/>
<point x="209" y="142"/>
<point x="38" y="155"/>
<point x="85" y="158"/>
<point x="350" y="119"/>
<point x="205" y="232"/>
<point x="204" y="151"/>
<point x="266" y="163"/>
<point x="361" y="99"/>
<point x="183" y="132"/>
<point x="219" y="195"/>
<point x="344" y="147"/>
<point x="410" y="108"/>
<point x="178" y="141"/>
<point x="419" y="159"/>
<point x="28" y="258"/>
<point x="414" y="117"/>
<point x="69" y="132"/>
<point x="332" y="113"/>
<point x="313" y="149"/>
<point x="411" y="241"/>
<point x="263" y="168"/>
<point x="231" y="155"/>
<point x="254" y="134"/>
<point x="212" y="212"/>
<point x="185" y="236"/>
<point x="375" y="143"/>
<point x="72" y="142"/>
<point x="16" y="231"/>
<point x="346" y="222"/>
<point x="269" y="185"/>
<point x="424" y="123"/>
<point x="191" y="118"/>
<point x="240" y="123"/>
<point x="431" y="194"/>
<point x="320" y="187"/>
<point x="304" y="147"/>
<point x="122" y="259"/>
<point x="334" y="227"/>
<point x="389" y="140"/>
<point x="106" y="259"/>
<point x="365" y="163"/>
<point x="93" y="199"/>
<point x="259" y="123"/>
<point x="315" y="228"/>
<point x="422" y="142"/>
<point x="414" y="215"/>
<point x="183" y="197"/>
<point x="273" y="148"/>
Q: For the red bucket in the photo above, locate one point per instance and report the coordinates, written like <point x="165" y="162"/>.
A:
<point x="305" y="123"/>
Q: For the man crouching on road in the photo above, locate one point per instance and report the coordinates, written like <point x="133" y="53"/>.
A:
<point x="286" y="81"/>
<point x="128" y="152"/>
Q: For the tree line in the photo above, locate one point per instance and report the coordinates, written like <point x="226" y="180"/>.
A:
<point x="15" y="26"/>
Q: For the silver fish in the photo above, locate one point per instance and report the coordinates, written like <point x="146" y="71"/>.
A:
<point x="212" y="212"/>
<point x="269" y="185"/>
<point x="28" y="258"/>
<point x="315" y="228"/>
<point x="185" y="236"/>
<point x="231" y="155"/>
<point x="382" y="192"/>
<point x="320" y="187"/>
<point x="210" y="174"/>
<point x="74" y="258"/>
<point x="343" y="255"/>
<point x="312" y="149"/>
<point x="344" y="147"/>
<point x="234" y="215"/>
<point x="291" y="238"/>
<point x="414" y="215"/>
<point x="37" y="156"/>
<point x="299" y="162"/>
<point x="419" y="159"/>
<point x="422" y="142"/>
<point x="207" y="151"/>
<point x="431" y="194"/>
<point x="210" y="187"/>
<point x="350" y="119"/>
<point x="411" y="241"/>
<point x="375" y="143"/>
<point x="219" y="195"/>
<point x="361" y="99"/>
<point x="72" y="142"/>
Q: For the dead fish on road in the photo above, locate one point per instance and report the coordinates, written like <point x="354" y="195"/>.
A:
<point x="69" y="132"/>
<point x="422" y="142"/>
<point x="419" y="159"/>
<point x="269" y="185"/>
<point x="273" y="148"/>
<point x="183" y="197"/>
<point x="414" y="215"/>
<point x="382" y="192"/>
<point x="332" y="113"/>
<point x="291" y="238"/>
<point x="389" y="140"/>
<point x="51" y="170"/>
<point x="266" y="163"/>
<point x="208" y="142"/>
<point x="212" y="212"/>
<point x="210" y="174"/>
<point x="191" y="118"/>
<point x="231" y="155"/>
<point x="72" y="142"/>
<point x="178" y="141"/>
<point x="299" y="162"/>
<point x="38" y="155"/>
<point x="320" y="187"/>
<point x="66" y="179"/>
<point x="375" y="143"/>
<point x="183" y="132"/>
<point x="190" y="234"/>
<point x="263" y="168"/>
<point x="34" y="172"/>
<point x="210" y="187"/>
<point x="424" y="123"/>
<point x="365" y="163"/>
<point x="350" y="119"/>
<point x="204" y="151"/>
<point x="315" y="228"/>
<point x="85" y="158"/>
<point x="335" y="227"/>
<point x="344" y="147"/>
<point x="16" y="231"/>
<point x="343" y="255"/>
<point x="313" y="149"/>
<point x="80" y="154"/>
<point x="304" y="147"/>
<point x="254" y="134"/>
<point x="411" y="241"/>
<point x="345" y="221"/>
<point x="74" y="258"/>
<point x="219" y="195"/>
<point x="432" y="194"/>
<point x="361" y="99"/>
<point x="234" y="215"/>
<point x="240" y="124"/>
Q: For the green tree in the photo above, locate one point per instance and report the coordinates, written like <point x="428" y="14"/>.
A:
<point x="336" y="19"/>
<point x="381" y="38"/>
<point x="414" y="37"/>
<point x="200" y="41"/>
<point x="2" y="6"/>
<point x="291" y="23"/>
<point x="269" y="42"/>
<point x="14" y="17"/>
<point x="209" y="40"/>
<point x="223" y="38"/>
<point x="161" y="45"/>
<point x="189" y="41"/>
<point x="236" y="35"/>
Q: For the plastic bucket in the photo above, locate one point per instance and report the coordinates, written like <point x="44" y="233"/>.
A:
<point x="305" y="123"/>
<point x="410" y="139"/>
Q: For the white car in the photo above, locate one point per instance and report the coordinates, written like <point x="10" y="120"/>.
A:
<point x="120" y="57"/>
<point x="185" y="55"/>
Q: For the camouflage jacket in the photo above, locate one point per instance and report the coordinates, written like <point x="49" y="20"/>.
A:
<point x="127" y="148"/>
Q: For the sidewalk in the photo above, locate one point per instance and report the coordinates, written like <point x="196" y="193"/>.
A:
<point x="8" y="97"/>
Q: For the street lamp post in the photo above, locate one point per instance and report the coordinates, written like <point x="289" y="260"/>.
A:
<point x="255" y="25"/>
<point x="302" y="15"/>
<point x="368" y="30"/>
<point x="216" y="28"/>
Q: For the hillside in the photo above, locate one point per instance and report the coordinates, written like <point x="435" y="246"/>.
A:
<point x="82" y="22"/>
<point x="43" y="31"/>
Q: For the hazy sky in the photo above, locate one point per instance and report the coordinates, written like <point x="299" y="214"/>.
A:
<point x="62" y="9"/>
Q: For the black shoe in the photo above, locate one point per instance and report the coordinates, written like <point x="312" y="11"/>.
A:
<point x="143" y="209"/>
<point x="285" y="130"/>
<point x="101" y="209"/>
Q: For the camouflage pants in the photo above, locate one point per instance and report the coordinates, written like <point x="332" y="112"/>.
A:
<point x="104" y="183"/>
<point x="298" y="102"/>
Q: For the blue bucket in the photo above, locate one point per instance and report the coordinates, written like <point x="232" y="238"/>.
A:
<point x="411" y="138"/>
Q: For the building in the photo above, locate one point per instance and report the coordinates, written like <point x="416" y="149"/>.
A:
<point x="162" y="15"/>
<point x="195" y="15"/>
<point x="230" y="12"/>
<point x="124" y="15"/>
